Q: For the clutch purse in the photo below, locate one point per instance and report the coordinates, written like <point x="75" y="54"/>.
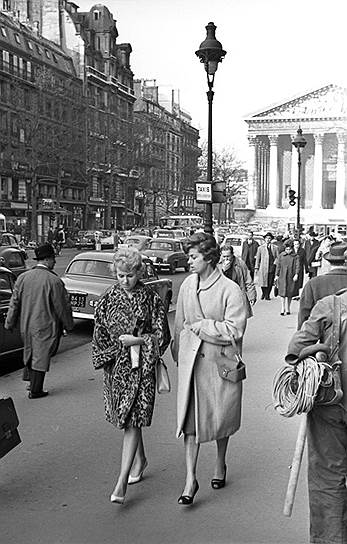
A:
<point x="162" y="377"/>
<point x="9" y="436"/>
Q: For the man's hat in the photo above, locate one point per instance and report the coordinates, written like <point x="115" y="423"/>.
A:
<point x="268" y="234"/>
<point x="336" y="253"/>
<point x="44" y="252"/>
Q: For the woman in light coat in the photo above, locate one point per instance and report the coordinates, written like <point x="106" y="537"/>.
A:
<point x="210" y="315"/>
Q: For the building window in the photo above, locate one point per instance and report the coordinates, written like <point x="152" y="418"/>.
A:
<point x="48" y="55"/>
<point x="97" y="15"/>
<point x="54" y="58"/>
<point x="38" y="48"/>
<point x="30" y="46"/>
<point x="17" y="38"/>
<point x="3" y="32"/>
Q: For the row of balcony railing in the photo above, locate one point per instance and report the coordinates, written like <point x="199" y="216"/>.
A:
<point x="109" y="79"/>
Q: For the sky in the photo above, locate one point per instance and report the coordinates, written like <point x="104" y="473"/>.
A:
<point x="276" y="50"/>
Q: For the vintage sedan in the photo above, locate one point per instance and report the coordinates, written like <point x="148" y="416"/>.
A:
<point x="138" y="241"/>
<point x="12" y="258"/>
<point x="88" y="276"/>
<point x="167" y="254"/>
<point x="10" y="341"/>
<point x="9" y="239"/>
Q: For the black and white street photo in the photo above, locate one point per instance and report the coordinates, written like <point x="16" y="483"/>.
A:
<point x="173" y="272"/>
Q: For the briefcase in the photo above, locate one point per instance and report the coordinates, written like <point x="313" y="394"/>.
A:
<point x="9" y="436"/>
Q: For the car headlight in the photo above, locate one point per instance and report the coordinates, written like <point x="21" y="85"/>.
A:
<point x="165" y="258"/>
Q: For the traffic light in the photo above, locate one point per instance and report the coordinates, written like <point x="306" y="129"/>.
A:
<point x="292" y="197"/>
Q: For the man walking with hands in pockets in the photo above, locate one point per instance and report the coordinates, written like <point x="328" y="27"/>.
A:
<point x="40" y="303"/>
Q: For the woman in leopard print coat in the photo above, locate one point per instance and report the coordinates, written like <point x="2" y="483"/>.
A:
<point x="130" y="314"/>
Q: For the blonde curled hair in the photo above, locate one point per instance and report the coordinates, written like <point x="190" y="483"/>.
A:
<point x="128" y="257"/>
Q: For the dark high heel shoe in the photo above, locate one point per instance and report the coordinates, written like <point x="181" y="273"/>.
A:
<point x="188" y="499"/>
<point x="217" y="483"/>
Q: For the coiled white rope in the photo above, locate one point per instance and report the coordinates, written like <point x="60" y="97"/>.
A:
<point x="294" y="388"/>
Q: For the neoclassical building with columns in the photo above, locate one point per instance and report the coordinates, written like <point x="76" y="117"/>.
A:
<point x="273" y="160"/>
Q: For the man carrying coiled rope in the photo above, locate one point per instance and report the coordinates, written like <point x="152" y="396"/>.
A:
<point x="326" y="423"/>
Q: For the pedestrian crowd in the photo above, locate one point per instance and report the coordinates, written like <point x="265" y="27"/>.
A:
<point x="131" y="334"/>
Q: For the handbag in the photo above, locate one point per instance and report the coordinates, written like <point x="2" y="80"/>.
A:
<point x="9" y="436"/>
<point x="276" y="289"/>
<point x="162" y="377"/>
<point x="230" y="364"/>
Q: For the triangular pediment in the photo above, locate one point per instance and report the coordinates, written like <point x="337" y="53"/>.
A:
<point x="326" y="102"/>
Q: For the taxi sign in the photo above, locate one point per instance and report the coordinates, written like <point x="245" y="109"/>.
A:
<point x="203" y="192"/>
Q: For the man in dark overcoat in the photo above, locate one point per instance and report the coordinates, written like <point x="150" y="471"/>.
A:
<point x="311" y="245"/>
<point x="326" y="284"/>
<point x="41" y="305"/>
<point x="248" y="253"/>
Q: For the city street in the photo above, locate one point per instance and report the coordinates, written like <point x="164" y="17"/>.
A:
<point x="55" y="486"/>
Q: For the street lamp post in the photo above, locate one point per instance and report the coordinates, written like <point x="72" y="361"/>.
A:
<point x="210" y="54"/>
<point x="299" y="142"/>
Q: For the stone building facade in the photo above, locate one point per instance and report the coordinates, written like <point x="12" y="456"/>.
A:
<point x="167" y="152"/>
<point x="42" y="134"/>
<point x="273" y="160"/>
<point x="93" y="182"/>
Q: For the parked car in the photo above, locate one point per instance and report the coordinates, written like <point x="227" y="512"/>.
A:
<point x="138" y="241"/>
<point x="167" y="254"/>
<point x="87" y="239"/>
<point x="10" y="341"/>
<point x="236" y="240"/>
<point x="12" y="258"/>
<point x="88" y="275"/>
<point x="9" y="239"/>
<point x="178" y="234"/>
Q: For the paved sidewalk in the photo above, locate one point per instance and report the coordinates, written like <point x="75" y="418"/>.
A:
<point x="55" y="486"/>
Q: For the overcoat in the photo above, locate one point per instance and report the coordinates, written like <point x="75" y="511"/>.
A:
<point x="302" y="260"/>
<point x="219" y="305"/>
<point x="310" y="247"/>
<point x="287" y="266"/>
<point x="41" y="304"/>
<point x="249" y="252"/>
<point x="239" y="273"/>
<point x="262" y="263"/>
<point x="129" y="393"/>
<point x="319" y="287"/>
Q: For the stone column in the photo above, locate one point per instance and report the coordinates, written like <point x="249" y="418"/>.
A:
<point x="252" y="174"/>
<point x="273" y="172"/>
<point x="318" y="172"/>
<point x="340" y="172"/>
<point x="294" y="170"/>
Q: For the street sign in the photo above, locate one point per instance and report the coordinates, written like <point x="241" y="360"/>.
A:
<point x="203" y="192"/>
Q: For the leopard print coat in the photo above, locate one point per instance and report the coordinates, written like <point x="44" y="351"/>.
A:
<point x="129" y="394"/>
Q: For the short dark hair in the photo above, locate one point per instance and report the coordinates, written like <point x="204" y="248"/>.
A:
<point x="228" y="247"/>
<point x="289" y="243"/>
<point x="206" y="245"/>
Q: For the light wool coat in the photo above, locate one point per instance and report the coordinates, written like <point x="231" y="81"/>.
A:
<point x="262" y="263"/>
<point x="219" y="305"/>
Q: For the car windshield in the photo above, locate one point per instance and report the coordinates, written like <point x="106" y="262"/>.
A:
<point x="161" y="245"/>
<point x="90" y="267"/>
